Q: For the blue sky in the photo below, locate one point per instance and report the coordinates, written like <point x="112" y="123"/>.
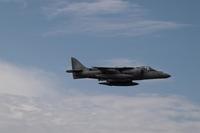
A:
<point x="38" y="37"/>
<point x="45" y="35"/>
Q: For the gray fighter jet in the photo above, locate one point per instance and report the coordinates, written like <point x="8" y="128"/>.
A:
<point x="115" y="76"/>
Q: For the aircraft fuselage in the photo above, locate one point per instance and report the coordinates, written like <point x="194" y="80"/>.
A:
<point x="115" y="76"/>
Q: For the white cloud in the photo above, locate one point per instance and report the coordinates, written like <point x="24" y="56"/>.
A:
<point x="105" y="18"/>
<point x="100" y="114"/>
<point x="21" y="112"/>
<point x="88" y="7"/>
<point x="19" y="80"/>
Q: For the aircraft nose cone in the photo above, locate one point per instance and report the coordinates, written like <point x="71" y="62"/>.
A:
<point x="167" y="75"/>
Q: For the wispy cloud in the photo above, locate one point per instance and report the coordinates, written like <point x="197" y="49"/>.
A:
<point x="87" y="8"/>
<point x="89" y="114"/>
<point x="22" y="111"/>
<point x="98" y="7"/>
<point x="105" y="17"/>
<point x="32" y="82"/>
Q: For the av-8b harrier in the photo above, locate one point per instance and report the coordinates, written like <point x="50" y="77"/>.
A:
<point x="115" y="76"/>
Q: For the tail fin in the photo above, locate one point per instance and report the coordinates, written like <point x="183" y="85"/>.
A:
<point x="77" y="68"/>
<point x="77" y="65"/>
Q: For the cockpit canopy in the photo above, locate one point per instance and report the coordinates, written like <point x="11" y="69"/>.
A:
<point x="147" y="68"/>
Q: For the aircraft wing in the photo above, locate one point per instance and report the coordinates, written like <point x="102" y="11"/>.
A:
<point x="112" y="69"/>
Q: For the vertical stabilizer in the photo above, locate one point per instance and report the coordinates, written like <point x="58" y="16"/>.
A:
<point x="77" y="68"/>
<point x="77" y="65"/>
